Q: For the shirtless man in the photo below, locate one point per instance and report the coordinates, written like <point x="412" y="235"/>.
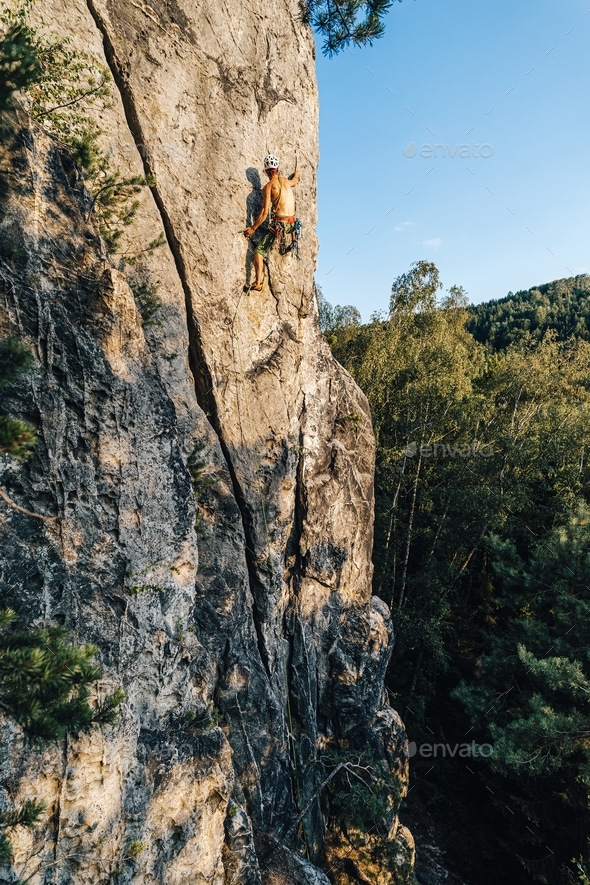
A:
<point x="278" y="196"/>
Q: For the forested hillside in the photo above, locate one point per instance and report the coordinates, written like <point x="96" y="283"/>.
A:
<point x="482" y="549"/>
<point x="561" y="307"/>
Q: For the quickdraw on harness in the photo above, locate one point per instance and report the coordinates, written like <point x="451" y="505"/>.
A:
<point x="287" y="229"/>
<point x="288" y="240"/>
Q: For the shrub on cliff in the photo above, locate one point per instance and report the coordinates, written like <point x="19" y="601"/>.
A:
<point x="60" y="87"/>
<point x="44" y="680"/>
<point x="45" y="688"/>
<point x="19" y="66"/>
<point x="16" y="438"/>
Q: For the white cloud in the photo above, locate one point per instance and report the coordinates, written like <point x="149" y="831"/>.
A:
<point x="433" y="244"/>
<point x="402" y="225"/>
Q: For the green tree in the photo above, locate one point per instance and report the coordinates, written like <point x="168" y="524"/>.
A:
<point x="28" y="815"/>
<point x="45" y="687"/>
<point x="67" y="84"/>
<point x="417" y="367"/>
<point x="530" y="698"/>
<point x="470" y="443"/>
<point x="45" y="682"/>
<point x="335" y="320"/>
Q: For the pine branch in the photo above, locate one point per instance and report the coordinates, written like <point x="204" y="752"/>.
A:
<point x="25" y="816"/>
<point x="74" y="101"/>
<point x="352" y="21"/>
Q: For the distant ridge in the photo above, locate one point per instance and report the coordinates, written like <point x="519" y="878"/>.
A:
<point x="562" y="306"/>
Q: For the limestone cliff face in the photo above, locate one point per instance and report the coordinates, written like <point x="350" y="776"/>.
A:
<point x="252" y="646"/>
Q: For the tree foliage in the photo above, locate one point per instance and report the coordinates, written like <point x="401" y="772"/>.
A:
<point x="45" y="688"/>
<point x="28" y="815"/>
<point x="61" y="87"/>
<point x="481" y="464"/>
<point x="531" y="694"/>
<point x="335" y="320"/>
<point x="361" y="792"/>
<point x="68" y="83"/>
<point x="45" y="682"/>
<point x="19" y="65"/>
<point x="561" y="307"/>
<point x="16" y="438"/>
<point x="342" y="22"/>
<point x="145" y="292"/>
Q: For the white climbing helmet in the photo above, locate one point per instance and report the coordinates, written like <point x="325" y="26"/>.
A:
<point x="271" y="162"/>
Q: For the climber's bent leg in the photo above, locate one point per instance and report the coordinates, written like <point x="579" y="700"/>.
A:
<point x="258" y="262"/>
<point x="261" y="250"/>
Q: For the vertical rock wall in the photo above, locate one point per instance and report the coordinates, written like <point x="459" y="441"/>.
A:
<point x="247" y="649"/>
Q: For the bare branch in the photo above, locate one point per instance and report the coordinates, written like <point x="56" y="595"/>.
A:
<point x="11" y="503"/>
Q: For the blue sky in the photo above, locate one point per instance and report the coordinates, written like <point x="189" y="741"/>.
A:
<point x="512" y="220"/>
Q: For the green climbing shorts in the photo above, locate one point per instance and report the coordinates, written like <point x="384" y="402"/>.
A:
<point x="268" y="239"/>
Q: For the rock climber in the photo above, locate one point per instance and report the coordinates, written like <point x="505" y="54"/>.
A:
<point x="278" y="200"/>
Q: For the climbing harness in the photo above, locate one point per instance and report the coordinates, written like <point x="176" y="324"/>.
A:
<point x="288" y="233"/>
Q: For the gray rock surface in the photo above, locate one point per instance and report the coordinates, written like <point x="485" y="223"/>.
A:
<point x="247" y="648"/>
